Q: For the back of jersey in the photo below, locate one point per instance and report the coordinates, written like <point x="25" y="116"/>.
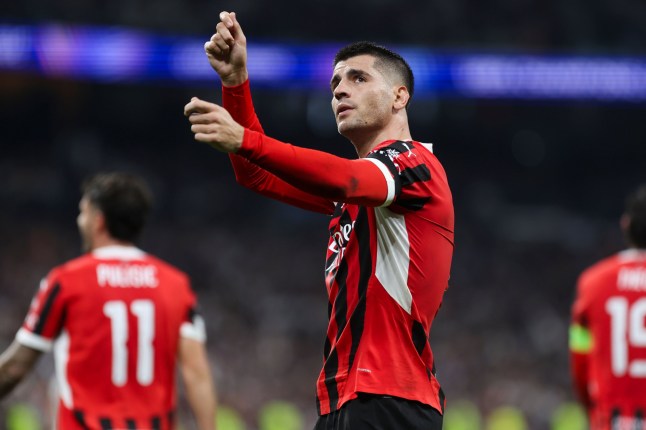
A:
<point x="611" y="303"/>
<point x="114" y="319"/>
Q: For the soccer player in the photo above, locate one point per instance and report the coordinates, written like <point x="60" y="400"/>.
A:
<point x="118" y="321"/>
<point x="608" y="331"/>
<point x="391" y="228"/>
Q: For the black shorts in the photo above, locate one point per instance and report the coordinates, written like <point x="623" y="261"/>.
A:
<point x="376" y="412"/>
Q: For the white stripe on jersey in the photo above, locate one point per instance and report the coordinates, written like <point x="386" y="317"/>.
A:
<point x="34" y="341"/>
<point x="195" y="330"/>
<point x="61" y="357"/>
<point x="390" y="182"/>
<point x="393" y="257"/>
<point x="428" y="146"/>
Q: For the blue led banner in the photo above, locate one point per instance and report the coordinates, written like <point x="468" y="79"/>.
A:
<point x="128" y="56"/>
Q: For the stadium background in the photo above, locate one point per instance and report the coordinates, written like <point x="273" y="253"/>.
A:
<point x="538" y="185"/>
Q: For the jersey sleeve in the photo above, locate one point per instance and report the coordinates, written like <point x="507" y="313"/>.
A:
<point x="192" y="326"/>
<point x="409" y="174"/>
<point x="319" y="173"/>
<point x="237" y="101"/>
<point x="46" y="315"/>
<point x="580" y="342"/>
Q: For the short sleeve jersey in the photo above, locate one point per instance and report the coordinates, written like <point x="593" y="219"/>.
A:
<point x="113" y="318"/>
<point x="386" y="272"/>
<point x="611" y="304"/>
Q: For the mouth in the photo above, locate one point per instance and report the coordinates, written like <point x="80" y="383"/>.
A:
<point x="343" y="108"/>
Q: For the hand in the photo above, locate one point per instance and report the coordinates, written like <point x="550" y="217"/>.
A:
<point x="227" y="50"/>
<point x="212" y="124"/>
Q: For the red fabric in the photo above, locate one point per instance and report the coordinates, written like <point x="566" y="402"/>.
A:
<point x="611" y="303"/>
<point x="84" y="304"/>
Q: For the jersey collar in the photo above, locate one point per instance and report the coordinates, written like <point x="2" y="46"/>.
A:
<point x="118" y="252"/>
<point x="633" y="254"/>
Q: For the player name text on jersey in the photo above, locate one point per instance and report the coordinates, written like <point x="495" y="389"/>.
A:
<point x="127" y="276"/>
<point x="632" y="279"/>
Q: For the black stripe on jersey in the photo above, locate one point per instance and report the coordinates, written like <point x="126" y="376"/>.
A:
<point x="155" y="423"/>
<point x="328" y="345"/>
<point x="49" y="302"/>
<point x="419" y="173"/>
<point x="106" y="423"/>
<point x="419" y="337"/>
<point x="362" y="232"/>
<point x="171" y="418"/>
<point x="639" y="420"/>
<point x="79" y="416"/>
<point x="442" y="399"/>
<point x="331" y="366"/>
<point x="413" y="204"/>
<point x="400" y="146"/>
<point x="131" y="424"/>
<point x="615" y="419"/>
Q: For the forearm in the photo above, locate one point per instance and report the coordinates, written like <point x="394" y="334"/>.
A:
<point x="316" y="172"/>
<point x="198" y="383"/>
<point x="201" y="397"/>
<point x="15" y="364"/>
<point x="238" y="102"/>
<point x="579" y="369"/>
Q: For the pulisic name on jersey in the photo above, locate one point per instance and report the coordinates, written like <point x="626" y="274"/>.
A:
<point x="632" y="279"/>
<point x="126" y="276"/>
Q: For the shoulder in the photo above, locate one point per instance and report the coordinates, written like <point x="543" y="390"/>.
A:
<point x="600" y="272"/>
<point x="71" y="268"/>
<point x="169" y="271"/>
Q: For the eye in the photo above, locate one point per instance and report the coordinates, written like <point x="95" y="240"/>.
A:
<point x="360" y="78"/>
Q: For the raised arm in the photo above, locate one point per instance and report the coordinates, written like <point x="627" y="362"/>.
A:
<point x="362" y="181"/>
<point x="227" y="54"/>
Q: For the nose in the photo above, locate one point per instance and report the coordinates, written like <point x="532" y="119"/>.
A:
<point x="340" y="91"/>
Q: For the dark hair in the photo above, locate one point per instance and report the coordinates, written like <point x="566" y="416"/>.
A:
<point x="385" y="59"/>
<point x="124" y="200"/>
<point x="636" y="212"/>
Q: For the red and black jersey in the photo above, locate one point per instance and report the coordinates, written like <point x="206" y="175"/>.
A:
<point x="113" y="318"/>
<point x="611" y="305"/>
<point x="388" y="257"/>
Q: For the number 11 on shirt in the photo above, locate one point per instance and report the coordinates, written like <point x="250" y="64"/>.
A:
<point x="117" y="312"/>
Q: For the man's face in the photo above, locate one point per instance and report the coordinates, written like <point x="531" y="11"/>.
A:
<point x="86" y="221"/>
<point x="362" y="98"/>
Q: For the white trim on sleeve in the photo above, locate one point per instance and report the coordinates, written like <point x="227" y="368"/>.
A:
<point x="27" y="338"/>
<point x="390" y="182"/>
<point x="195" y="330"/>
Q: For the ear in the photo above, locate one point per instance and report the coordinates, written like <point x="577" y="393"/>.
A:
<point x="624" y="223"/>
<point x="401" y="97"/>
<point x="100" y="225"/>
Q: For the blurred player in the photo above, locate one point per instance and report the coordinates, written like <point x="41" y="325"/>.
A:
<point x="608" y="331"/>
<point x="391" y="229"/>
<point x="118" y="320"/>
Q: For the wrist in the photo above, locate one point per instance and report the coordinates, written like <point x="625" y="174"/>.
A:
<point x="235" y="79"/>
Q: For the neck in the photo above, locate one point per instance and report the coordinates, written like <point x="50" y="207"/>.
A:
<point x="366" y="142"/>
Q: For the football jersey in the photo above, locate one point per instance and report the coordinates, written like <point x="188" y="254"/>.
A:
<point x="113" y="318"/>
<point x="386" y="272"/>
<point x="611" y="304"/>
